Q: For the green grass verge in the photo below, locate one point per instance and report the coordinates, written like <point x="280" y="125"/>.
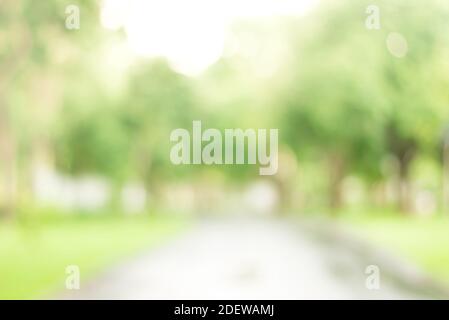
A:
<point x="33" y="259"/>
<point x="422" y="240"/>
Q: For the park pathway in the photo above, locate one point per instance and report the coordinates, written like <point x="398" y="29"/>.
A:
<point x="239" y="259"/>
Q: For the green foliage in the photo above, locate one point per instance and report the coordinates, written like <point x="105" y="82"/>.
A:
<point x="348" y="93"/>
<point x="326" y="81"/>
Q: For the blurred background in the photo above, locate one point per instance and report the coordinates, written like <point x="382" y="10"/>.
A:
<point x="357" y="89"/>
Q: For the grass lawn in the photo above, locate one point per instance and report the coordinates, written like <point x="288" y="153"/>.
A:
<point x="33" y="259"/>
<point x="423" y="240"/>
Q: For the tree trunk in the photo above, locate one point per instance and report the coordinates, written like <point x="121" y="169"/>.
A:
<point x="336" y="176"/>
<point x="403" y="184"/>
<point x="403" y="192"/>
<point x="445" y="180"/>
<point x="284" y="193"/>
<point x="8" y="165"/>
<point x="404" y="149"/>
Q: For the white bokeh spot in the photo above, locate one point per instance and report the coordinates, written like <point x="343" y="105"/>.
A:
<point x="397" y="44"/>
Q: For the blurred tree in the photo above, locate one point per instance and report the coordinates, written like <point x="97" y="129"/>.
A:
<point x="353" y="102"/>
<point x="333" y="109"/>
<point x="34" y="49"/>
<point x="160" y="101"/>
<point x="412" y="85"/>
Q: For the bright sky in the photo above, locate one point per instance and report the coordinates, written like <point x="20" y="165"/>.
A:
<point x="189" y="33"/>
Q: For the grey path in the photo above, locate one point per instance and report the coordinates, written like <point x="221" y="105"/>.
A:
<point x="238" y="259"/>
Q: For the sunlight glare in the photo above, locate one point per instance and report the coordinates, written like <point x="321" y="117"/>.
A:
<point x="190" y="34"/>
